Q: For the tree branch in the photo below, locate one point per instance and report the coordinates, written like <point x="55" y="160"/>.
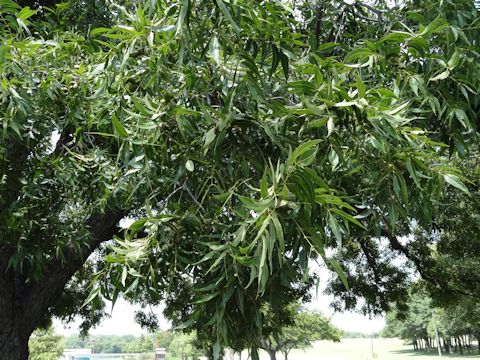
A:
<point x="359" y="5"/>
<point x="428" y="274"/>
<point x="41" y="293"/>
<point x="371" y="260"/>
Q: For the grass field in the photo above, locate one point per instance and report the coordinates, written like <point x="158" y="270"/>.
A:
<point x="361" y="349"/>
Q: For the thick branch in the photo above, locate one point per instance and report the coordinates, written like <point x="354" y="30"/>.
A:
<point x="41" y="294"/>
<point x="371" y="260"/>
<point x="425" y="272"/>
<point x="265" y="344"/>
<point x="359" y="5"/>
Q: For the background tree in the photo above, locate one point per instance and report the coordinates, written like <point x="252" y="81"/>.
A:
<point x="457" y="324"/>
<point x="163" y="339"/>
<point x="183" y="347"/>
<point x="141" y="345"/>
<point x="306" y="328"/>
<point x="46" y="345"/>
<point x="414" y="324"/>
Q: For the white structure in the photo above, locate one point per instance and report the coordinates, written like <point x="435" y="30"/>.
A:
<point x="160" y="354"/>
<point x="69" y="354"/>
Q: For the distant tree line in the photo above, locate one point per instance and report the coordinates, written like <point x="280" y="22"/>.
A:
<point x="306" y="327"/>
<point x="457" y="325"/>
<point x="113" y="344"/>
<point x="359" y="335"/>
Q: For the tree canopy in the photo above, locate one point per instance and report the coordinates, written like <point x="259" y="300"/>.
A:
<point x="234" y="142"/>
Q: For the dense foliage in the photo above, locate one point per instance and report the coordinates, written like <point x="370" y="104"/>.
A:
<point x="238" y="141"/>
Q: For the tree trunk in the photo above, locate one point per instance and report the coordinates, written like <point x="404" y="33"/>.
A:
<point x="446" y="345"/>
<point x="272" y="353"/>
<point x="285" y="354"/>
<point x="14" y="344"/>
<point x="15" y="329"/>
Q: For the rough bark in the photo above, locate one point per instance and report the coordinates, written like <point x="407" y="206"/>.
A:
<point x="23" y="303"/>
<point x="15" y="329"/>
<point x="14" y="344"/>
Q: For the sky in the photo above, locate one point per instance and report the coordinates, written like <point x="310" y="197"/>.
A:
<point x="122" y="320"/>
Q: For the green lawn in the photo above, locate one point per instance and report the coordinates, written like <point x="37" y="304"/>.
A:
<point x="361" y="349"/>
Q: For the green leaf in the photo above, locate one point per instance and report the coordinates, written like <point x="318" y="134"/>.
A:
<point x="187" y="324"/>
<point x="413" y="84"/>
<point x="262" y="262"/>
<point x="361" y="53"/>
<point x="209" y="137"/>
<point x="317" y="243"/>
<point x="264" y="185"/>
<point x="223" y="8"/>
<point x="348" y="217"/>
<point x="26" y="13"/>
<point x="455" y="181"/>
<point x="454" y="60"/>
<point x="257" y="206"/>
<point x="333" y="159"/>
<point x="285" y="65"/>
<point x="441" y="76"/>
<point x="216" y="351"/>
<point x="279" y="233"/>
<point x="119" y="128"/>
<point x="341" y="274"/>
<point x="183" y="16"/>
<point x="263" y="227"/>
<point x="100" y="30"/>
<point x="206" y="298"/>
<point x="327" y="46"/>
<point x="189" y="165"/>
<point x="330" y="126"/>
<point x="304" y="154"/>
<point x="215" y="50"/>
<point x="124" y="275"/>
<point x="275" y="60"/>
<point x="335" y="227"/>
<point x="93" y="294"/>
